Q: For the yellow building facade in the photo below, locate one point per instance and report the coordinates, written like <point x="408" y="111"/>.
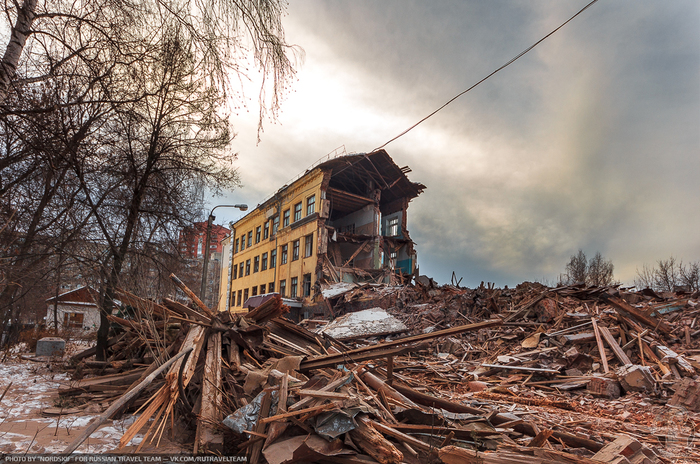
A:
<point x="342" y="221"/>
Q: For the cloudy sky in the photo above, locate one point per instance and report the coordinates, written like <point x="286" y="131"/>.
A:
<point x="590" y="141"/>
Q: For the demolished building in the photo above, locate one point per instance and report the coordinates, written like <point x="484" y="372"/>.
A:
<point x="344" y="220"/>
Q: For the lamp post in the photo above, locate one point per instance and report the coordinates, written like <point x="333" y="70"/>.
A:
<point x="207" y="252"/>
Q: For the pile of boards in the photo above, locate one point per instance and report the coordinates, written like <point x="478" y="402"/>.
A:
<point x="529" y="375"/>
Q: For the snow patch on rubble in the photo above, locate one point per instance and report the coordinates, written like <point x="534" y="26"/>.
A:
<point x="373" y="321"/>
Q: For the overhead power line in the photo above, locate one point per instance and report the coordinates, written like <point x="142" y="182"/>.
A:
<point x="511" y="61"/>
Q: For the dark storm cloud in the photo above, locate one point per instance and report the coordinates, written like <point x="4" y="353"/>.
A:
<point x="590" y="141"/>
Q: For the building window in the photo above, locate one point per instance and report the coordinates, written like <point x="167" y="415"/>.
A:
<point x="308" y="245"/>
<point x="250" y="239"/>
<point x="271" y="287"/>
<point x="273" y="259"/>
<point x="242" y="242"/>
<point x="235" y="271"/>
<point x="262" y="289"/>
<point x="266" y="230"/>
<point x="307" y="284"/>
<point x="256" y="264"/>
<point x="254" y="291"/>
<point x="275" y="225"/>
<point x="264" y="262"/>
<point x="237" y="245"/>
<point x="245" y="295"/>
<point x="73" y="320"/>
<point x="247" y="267"/>
<point x="283" y="287"/>
<point x="257" y="234"/>
<point x="283" y="254"/>
<point x="393" y="227"/>
<point x="285" y="219"/>
<point x="311" y="205"/>
<point x="392" y="260"/>
<point x="240" y="271"/>
<point x="295" y="250"/>
<point x="240" y="298"/>
<point x="293" y="287"/>
<point x="297" y="212"/>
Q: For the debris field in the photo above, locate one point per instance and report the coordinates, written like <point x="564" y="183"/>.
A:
<point x="526" y="375"/>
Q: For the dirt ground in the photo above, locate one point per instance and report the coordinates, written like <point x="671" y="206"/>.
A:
<point x="24" y="426"/>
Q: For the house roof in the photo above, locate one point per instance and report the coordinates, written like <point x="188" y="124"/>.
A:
<point x="81" y="295"/>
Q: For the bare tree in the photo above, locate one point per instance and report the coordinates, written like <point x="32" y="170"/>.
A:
<point x="597" y="271"/>
<point x="600" y="271"/>
<point x="669" y="275"/>
<point x="577" y="268"/>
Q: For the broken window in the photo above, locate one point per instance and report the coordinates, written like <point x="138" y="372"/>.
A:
<point x="254" y="290"/>
<point x="283" y="287"/>
<point x="311" y="205"/>
<point x="245" y="295"/>
<point x="285" y="219"/>
<point x="271" y="287"/>
<point x="264" y="262"/>
<point x="308" y="245"/>
<point x="266" y="230"/>
<point x="256" y="264"/>
<point x="297" y="212"/>
<point x="247" y="267"/>
<point x="295" y="250"/>
<point x="273" y="259"/>
<point x="307" y="284"/>
<point x="283" y="254"/>
<point x="73" y="320"/>
<point x="293" y="287"/>
<point x="393" y="227"/>
<point x="275" y="225"/>
<point x="257" y="234"/>
<point x="262" y="289"/>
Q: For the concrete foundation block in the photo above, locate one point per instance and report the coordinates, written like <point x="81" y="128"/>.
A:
<point x="50" y="346"/>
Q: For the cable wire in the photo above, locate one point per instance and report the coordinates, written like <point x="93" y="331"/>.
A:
<point x="511" y="61"/>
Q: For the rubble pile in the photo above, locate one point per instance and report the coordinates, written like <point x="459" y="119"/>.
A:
<point x="525" y="375"/>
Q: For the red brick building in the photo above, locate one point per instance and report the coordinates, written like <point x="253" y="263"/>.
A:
<point x="191" y="242"/>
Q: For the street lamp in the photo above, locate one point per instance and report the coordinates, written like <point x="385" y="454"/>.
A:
<point x="203" y="289"/>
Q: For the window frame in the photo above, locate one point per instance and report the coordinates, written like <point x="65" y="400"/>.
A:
<point x="247" y="267"/>
<point x="293" y="287"/>
<point x="295" y="250"/>
<point x="258" y="234"/>
<point x="283" y="287"/>
<point x="273" y="258"/>
<point x="285" y="218"/>
<point x="284" y="254"/>
<point x="311" y="205"/>
<point x="256" y="264"/>
<point x="309" y="245"/>
<point x="266" y="230"/>
<point x="263" y="262"/>
<point x="297" y="212"/>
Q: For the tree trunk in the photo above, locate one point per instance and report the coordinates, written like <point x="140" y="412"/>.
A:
<point x="18" y="37"/>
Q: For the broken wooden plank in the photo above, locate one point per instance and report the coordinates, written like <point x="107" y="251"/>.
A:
<point x="612" y="343"/>
<point x="208" y="438"/>
<point x="601" y="348"/>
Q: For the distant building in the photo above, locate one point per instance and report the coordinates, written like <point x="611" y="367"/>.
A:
<point x="75" y="309"/>
<point x="342" y="221"/>
<point x="191" y="240"/>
